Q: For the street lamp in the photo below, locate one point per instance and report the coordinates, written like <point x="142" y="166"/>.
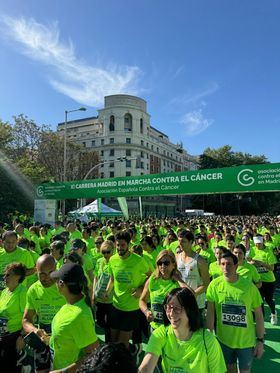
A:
<point x="119" y="159"/>
<point x="65" y="147"/>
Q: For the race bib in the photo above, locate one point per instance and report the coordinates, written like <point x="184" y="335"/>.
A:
<point x="2" y="283"/>
<point x="3" y="326"/>
<point x="262" y="269"/>
<point x="157" y="310"/>
<point x="102" y="285"/>
<point x="234" y="315"/>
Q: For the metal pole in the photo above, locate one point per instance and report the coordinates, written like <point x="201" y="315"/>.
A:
<point x="64" y="159"/>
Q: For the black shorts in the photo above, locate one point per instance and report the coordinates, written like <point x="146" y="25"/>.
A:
<point x="124" y="320"/>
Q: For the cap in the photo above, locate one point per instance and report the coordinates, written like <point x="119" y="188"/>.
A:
<point x="69" y="272"/>
<point x="258" y="239"/>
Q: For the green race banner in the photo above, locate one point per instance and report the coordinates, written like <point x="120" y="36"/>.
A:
<point x="241" y="179"/>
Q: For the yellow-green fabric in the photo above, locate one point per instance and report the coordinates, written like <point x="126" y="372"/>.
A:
<point x="187" y="356"/>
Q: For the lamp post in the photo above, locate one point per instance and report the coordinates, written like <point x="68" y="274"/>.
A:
<point x="119" y="159"/>
<point x="65" y="148"/>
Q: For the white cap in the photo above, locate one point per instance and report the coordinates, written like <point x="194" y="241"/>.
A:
<point x="258" y="239"/>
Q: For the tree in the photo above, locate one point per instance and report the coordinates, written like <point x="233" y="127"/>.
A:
<point x="235" y="204"/>
<point x="225" y="157"/>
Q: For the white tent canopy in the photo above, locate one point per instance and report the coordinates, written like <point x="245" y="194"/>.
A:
<point x="95" y="210"/>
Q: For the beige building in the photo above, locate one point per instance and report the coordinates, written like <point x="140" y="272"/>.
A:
<point x="123" y="130"/>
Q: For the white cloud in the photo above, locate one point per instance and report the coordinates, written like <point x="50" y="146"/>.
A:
<point x="197" y="97"/>
<point x="194" y="122"/>
<point x="69" y="75"/>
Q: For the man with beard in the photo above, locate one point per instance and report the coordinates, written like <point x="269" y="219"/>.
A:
<point x="128" y="273"/>
<point x="42" y="303"/>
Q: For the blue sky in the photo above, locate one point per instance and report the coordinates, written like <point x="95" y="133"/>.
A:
<point x="209" y="70"/>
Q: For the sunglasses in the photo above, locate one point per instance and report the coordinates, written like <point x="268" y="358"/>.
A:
<point x="175" y="309"/>
<point x="163" y="262"/>
<point x="106" y="252"/>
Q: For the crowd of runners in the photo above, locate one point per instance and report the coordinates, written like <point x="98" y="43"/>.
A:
<point x="193" y="290"/>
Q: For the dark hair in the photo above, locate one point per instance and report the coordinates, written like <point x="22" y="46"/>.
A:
<point x="187" y="300"/>
<point x="18" y="269"/>
<point x="149" y="241"/>
<point x="186" y="234"/>
<point x="58" y="245"/>
<point x="241" y="247"/>
<point x="109" y="358"/>
<point x="78" y="287"/>
<point x="137" y="249"/>
<point x="123" y="236"/>
<point x="73" y="257"/>
<point x="23" y="243"/>
<point x="9" y="234"/>
<point x="229" y="254"/>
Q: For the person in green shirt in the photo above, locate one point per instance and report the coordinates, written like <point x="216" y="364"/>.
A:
<point x="57" y="251"/>
<point x="234" y="299"/>
<point x="161" y="282"/>
<point x="12" y="304"/>
<point x="215" y="267"/>
<point x="128" y="272"/>
<point x="11" y="253"/>
<point x="103" y="307"/>
<point x="42" y="303"/>
<point x="244" y="268"/>
<point x="182" y="342"/>
<point x="203" y="249"/>
<point x="264" y="259"/>
<point x="73" y="329"/>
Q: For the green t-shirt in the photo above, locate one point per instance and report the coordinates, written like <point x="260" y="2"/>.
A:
<point x="102" y="275"/>
<point x="19" y="255"/>
<point x="264" y="255"/>
<point x="249" y="271"/>
<point x="234" y="303"/>
<point x="200" y="354"/>
<point x="57" y="230"/>
<point x="73" y="329"/>
<point x="159" y="288"/>
<point x="46" y="302"/>
<point x="215" y="270"/>
<point x="12" y="306"/>
<point x="128" y="275"/>
<point x="208" y="254"/>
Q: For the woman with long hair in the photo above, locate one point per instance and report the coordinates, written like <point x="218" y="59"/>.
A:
<point x="182" y="342"/>
<point x="165" y="278"/>
<point x="73" y="328"/>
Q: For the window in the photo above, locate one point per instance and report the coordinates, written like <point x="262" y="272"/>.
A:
<point x="147" y="166"/>
<point x="112" y="123"/>
<point x="112" y="140"/>
<point x="111" y="164"/>
<point x="102" y="142"/>
<point x="142" y="142"/>
<point x="128" y="163"/>
<point x="128" y="173"/>
<point x="93" y="143"/>
<point x="157" y="150"/>
<point x="101" y="153"/>
<point x="102" y="175"/>
<point x="141" y="125"/>
<point x="112" y="174"/>
<point x="112" y="152"/>
<point x="128" y="152"/>
<point x="142" y="165"/>
<point x="84" y="144"/>
<point x="128" y="122"/>
<point x="128" y="140"/>
<point x="147" y="144"/>
<point x="142" y="154"/>
<point x="152" y="147"/>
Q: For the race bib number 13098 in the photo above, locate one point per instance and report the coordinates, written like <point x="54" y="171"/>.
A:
<point x="234" y="315"/>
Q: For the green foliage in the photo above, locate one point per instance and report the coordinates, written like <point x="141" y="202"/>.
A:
<point x="225" y="157"/>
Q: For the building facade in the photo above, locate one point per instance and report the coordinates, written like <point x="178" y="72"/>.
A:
<point x="127" y="143"/>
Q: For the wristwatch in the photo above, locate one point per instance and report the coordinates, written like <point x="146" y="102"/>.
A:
<point x="260" y="340"/>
